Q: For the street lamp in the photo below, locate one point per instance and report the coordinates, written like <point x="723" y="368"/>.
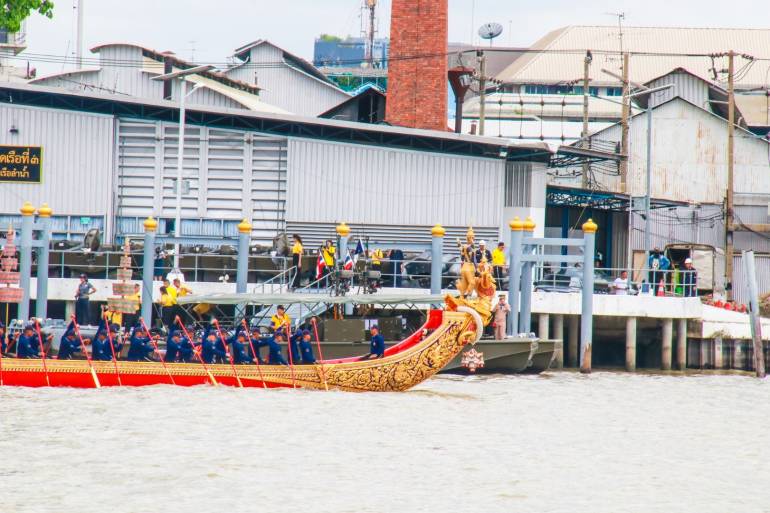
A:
<point x="181" y="75"/>
<point x="644" y="91"/>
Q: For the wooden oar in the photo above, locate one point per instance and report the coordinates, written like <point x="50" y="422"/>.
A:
<point x="42" y="352"/>
<point x="197" y="353"/>
<point x="112" y="346"/>
<point x="320" y="353"/>
<point x="85" y="352"/>
<point x="291" y="358"/>
<point x="155" y="345"/>
<point x="232" y="362"/>
<point x="254" y="352"/>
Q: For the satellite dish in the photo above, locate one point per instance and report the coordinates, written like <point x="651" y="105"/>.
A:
<point x="490" y="31"/>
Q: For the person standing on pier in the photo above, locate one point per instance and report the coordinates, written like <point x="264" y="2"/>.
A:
<point x="296" y="260"/>
<point x="659" y="265"/>
<point x="82" y="300"/>
<point x="689" y="279"/>
<point x="483" y="254"/>
<point x="498" y="264"/>
<point x="502" y="309"/>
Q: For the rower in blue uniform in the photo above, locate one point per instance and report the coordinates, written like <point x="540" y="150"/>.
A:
<point x="256" y="344"/>
<point x="140" y="346"/>
<point x="211" y="351"/>
<point x="173" y="345"/>
<point x="27" y="345"/>
<point x="3" y="339"/>
<point x="377" y="345"/>
<point x="117" y="343"/>
<point x="186" y="346"/>
<point x="296" y="357"/>
<point x="306" y="348"/>
<point x="273" y="342"/>
<point x="100" y="345"/>
<point x="69" y="343"/>
<point x="240" y="354"/>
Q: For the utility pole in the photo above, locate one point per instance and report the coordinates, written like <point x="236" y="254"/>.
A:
<point x="372" y="6"/>
<point x="482" y="89"/>
<point x="79" y="35"/>
<point x="729" y="227"/>
<point x="624" y="125"/>
<point x="584" y="134"/>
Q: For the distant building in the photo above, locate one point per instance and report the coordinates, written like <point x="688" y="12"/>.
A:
<point x="540" y="92"/>
<point x="127" y="70"/>
<point x="331" y="51"/>
<point x="12" y="44"/>
<point x="285" y="80"/>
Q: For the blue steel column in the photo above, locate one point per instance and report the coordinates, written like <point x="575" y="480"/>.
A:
<point x="525" y="317"/>
<point x="514" y="275"/>
<point x="44" y="222"/>
<point x="150" y="225"/>
<point x="436" y="258"/>
<point x="586" y="321"/>
<point x="244" y="237"/>
<point x="25" y="258"/>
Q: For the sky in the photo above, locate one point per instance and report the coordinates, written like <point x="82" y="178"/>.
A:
<point x="208" y="32"/>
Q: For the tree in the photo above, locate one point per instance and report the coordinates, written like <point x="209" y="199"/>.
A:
<point x="16" y="11"/>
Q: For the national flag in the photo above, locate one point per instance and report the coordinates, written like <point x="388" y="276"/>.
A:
<point x="348" y="264"/>
<point x="320" y="266"/>
<point x="359" y="251"/>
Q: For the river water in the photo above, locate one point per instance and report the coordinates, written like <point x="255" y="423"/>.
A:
<point x="558" y="442"/>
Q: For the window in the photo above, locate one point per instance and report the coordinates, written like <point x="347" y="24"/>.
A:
<point x="614" y="91"/>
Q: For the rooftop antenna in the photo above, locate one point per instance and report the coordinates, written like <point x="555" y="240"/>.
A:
<point x="490" y="31"/>
<point x="79" y="36"/>
<point x="620" y="16"/>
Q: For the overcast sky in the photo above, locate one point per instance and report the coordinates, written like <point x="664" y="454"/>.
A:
<point x="213" y="29"/>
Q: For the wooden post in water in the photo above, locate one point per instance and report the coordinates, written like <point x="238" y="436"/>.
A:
<point x="558" y="334"/>
<point x="747" y="258"/>
<point x="666" y="345"/>
<point x="681" y="344"/>
<point x="572" y="345"/>
<point x="630" y="344"/>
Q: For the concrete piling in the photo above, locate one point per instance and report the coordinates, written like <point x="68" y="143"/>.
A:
<point x="667" y="335"/>
<point x="718" y="361"/>
<point x="558" y="334"/>
<point x="543" y="325"/>
<point x="630" y="344"/>
<point x="573" y="333"/>
<point x="681" y="344"/>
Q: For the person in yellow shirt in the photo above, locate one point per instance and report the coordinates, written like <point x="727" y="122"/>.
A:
<point x="130" y="320"/>
<point x="171" y="290"/>
<point x="181" y="290"/>
<point x="296" y="260"/>
<point x="280" y="320"/>
<point x="377" y="257"/>
<point x="167" y="304"/>
<point x="329" y="252"/>
<point x="498" y="264"/>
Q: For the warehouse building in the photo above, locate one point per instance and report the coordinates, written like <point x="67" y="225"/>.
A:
<point x="109" y="161"/>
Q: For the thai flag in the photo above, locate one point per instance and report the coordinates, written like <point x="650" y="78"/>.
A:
<point x="348" y="264"/>
<point x="319" y="266"/>
<point x="358" y="252"/>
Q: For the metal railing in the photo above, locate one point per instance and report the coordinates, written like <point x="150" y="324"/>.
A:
<point x="671" y="283"/>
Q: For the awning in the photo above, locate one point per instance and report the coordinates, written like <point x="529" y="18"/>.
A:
<point x="309" y="298"/>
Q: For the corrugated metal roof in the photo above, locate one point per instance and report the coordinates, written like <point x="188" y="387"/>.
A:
<point x="605" y="43"/>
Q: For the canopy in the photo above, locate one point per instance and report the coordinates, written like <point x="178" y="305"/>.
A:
<point x="293" y="298"/>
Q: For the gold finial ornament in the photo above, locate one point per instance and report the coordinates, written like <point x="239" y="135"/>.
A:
<point x="27" y="209"/>
<point x="438" y="231"/>
<point x="45" y="210"/>
<point x="343" y="230"/>
<point x="590" y="227"/>
<point x="529" y="225"/>
<point x="516" y="224"/>
<point x="150" y="224"/>
<point x="470" y="236"/>
<point x="244" y="226"/>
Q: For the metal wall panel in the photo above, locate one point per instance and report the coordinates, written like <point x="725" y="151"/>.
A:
<point x="230" y="175"/>
<point x="330" y="182"/>
<point x="739" y="279"/>
<point x="695" y="225"/>
<point x="692" y="89"/>
<point x="76" y="165"/>
<point x="287" y="87"/>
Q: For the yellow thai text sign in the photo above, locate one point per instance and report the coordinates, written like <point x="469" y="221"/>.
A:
<point x="21" y="164"/>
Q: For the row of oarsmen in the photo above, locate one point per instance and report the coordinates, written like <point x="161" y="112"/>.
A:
<point x="207" y="345"/>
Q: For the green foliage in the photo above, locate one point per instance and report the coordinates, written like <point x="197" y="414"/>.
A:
<point x="13" y="12"/>
<point x="328" y="38"/>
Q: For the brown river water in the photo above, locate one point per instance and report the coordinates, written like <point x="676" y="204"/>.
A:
<point x="608" y="442"/>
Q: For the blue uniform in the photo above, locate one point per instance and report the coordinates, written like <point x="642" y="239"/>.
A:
<point x="28" y="347"/>
<point x="211" y="349"/>
<point x="173" y="347"/>
<point x="296" y="356"/>
<point x="275" y="356"/>
<point x="186" y="350"/>
<point x="377" y="345"/>
<point x="68" y="344"/>
<point x="306" y="349"/>
<point x="240" y="354"/>
<point x="140" y="347"/>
